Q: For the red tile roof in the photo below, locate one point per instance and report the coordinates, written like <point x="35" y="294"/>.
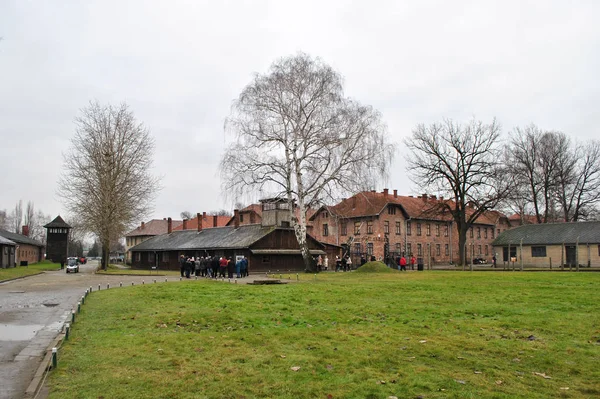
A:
<point x="368" y="203"/>
<point x="207" y="222"/>
<point x="153" y="228"/>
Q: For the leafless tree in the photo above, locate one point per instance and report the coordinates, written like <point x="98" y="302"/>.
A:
<point x="578" y="181"/>
<point x="29" y="215"/>
<point x="560" y="182"/>
<point x="297" y="137"/>
<point x="463" y="163"/>
<point x="17" y="217"/>
<point x="106" y="182"/>
<point x="220" y="212"/>
<point x="4" y="220"/>
<point x="37" y="230"/>
<point x="186" y="215"/>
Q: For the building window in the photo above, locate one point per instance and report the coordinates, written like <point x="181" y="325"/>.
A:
<point x="485" y="232"/>
<point x="398" y="248"/>
<point x="241" y="218"/>
<point x="165" y="256"/>
<point x="493" y="232"/>
<point x="386" y="227"/>
<point x="479" y="250"/>
<point x="369" y="248"/>
<point x="370" y="227"/>
<point x="419" y="250"/>
<point x="150" y="257"/>
<point x="487" y="252"/>
<point x="398" y="228"/>
<point x="344" y="228"/>
<point x="447" y="250"/>
<point x="408" y="228"/>
<point x="391" y="210"/>
<point x="438" y="250"/>
<point x="356" y="228"/>
<point x="418" y="229"/>
<point x="285" y="223"/>
<point x="357" y="248"/>
<point x="478" y="232"/>
<point x="471" y="232"/>
<point x="446" y="230"/>
<point x="428" y="229"/>
<point x="498" y="232"/>
<point x="409" y="249"/>
<point x="538" y="252"/>
<point x="437" y="230"/>
<point x="138" y="256"/>
<point x="325" y="229"/>
<point x="325" y="214"/>
<point x="266" y="259"/>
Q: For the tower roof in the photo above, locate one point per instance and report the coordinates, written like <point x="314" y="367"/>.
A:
<point x="58" y="222"/>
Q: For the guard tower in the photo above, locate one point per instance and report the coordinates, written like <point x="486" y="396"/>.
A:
<point x="57" y="240"/>
<point x="275" y="212"/>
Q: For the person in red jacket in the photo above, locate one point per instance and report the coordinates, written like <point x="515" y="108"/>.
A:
<point x="402" y="263"/>
<point x="413" y="260"/>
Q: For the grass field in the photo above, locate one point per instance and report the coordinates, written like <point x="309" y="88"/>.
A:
<point x="345" y="335"/>
<point x="22" y="271"/>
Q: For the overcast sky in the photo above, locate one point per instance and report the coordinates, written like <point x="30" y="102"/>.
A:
<point x="180" y="64"/>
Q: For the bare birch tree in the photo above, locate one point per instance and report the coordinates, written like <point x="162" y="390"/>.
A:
<point x="4" y="219"/>
<point x="106" y="183"/>
<point x="463" y="163"/>
<point x="297" y="137"/>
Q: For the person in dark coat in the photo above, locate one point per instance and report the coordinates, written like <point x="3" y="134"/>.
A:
<point x="230" y="267"/>
<point x="182" y="262"/>
<point x="244" y="267"/>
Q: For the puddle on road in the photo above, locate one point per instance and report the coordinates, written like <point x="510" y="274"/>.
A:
<point x="11" y="332"/>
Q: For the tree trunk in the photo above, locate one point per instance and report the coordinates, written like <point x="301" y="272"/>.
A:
<point x="105" y="255"/>
<point x="462" y="240"/>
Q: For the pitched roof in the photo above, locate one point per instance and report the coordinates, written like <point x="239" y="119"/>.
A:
<point x="213" y="238"/>
<point x="551" y="234"/>
<point x="20" y="238"/>
<point x="153" y="228"/>
<point x="369" y="203"/>
<point x="58" y="222"/>
<point x="6" y="241"/>
<point x="207" y="222"/>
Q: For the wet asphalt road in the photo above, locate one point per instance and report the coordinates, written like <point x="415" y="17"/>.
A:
<point x="33" y="311"/>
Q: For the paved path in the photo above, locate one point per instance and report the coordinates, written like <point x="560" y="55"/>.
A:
<point x="33" y="311"/>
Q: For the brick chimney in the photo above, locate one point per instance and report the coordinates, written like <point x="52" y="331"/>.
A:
<point x="185" y="221"/>
<point x="143" y="225"/>
<point x="203" y="215"/>
<point x="385" y="192"/>
<point x="236" y="218"/>
<point x="199" y="217"/>
<point x="395" y="193"/>
<point x="169" y="225"/>
<point x="441" y="198"/>
<point x="215" y="218"/>
<point x="25" y="230"/>
<point x="424" y="196"/>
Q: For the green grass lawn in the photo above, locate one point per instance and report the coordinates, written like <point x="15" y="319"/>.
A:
<point x="352" y="335"/>
<point x="22" y="271"/>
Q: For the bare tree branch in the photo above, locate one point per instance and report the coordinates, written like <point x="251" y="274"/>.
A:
<point x="462" y="162"/>
<point x="298" y="137"/>
<point x="106" y="182"/>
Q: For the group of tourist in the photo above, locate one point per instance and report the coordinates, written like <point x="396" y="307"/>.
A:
<point x="213" y="266"/>
<point x="402" y="263"/>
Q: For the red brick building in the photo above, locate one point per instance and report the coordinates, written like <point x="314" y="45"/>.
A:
<point x="369" y="222"/>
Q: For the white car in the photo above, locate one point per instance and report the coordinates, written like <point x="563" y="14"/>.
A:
<point x="72" y="265"/>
